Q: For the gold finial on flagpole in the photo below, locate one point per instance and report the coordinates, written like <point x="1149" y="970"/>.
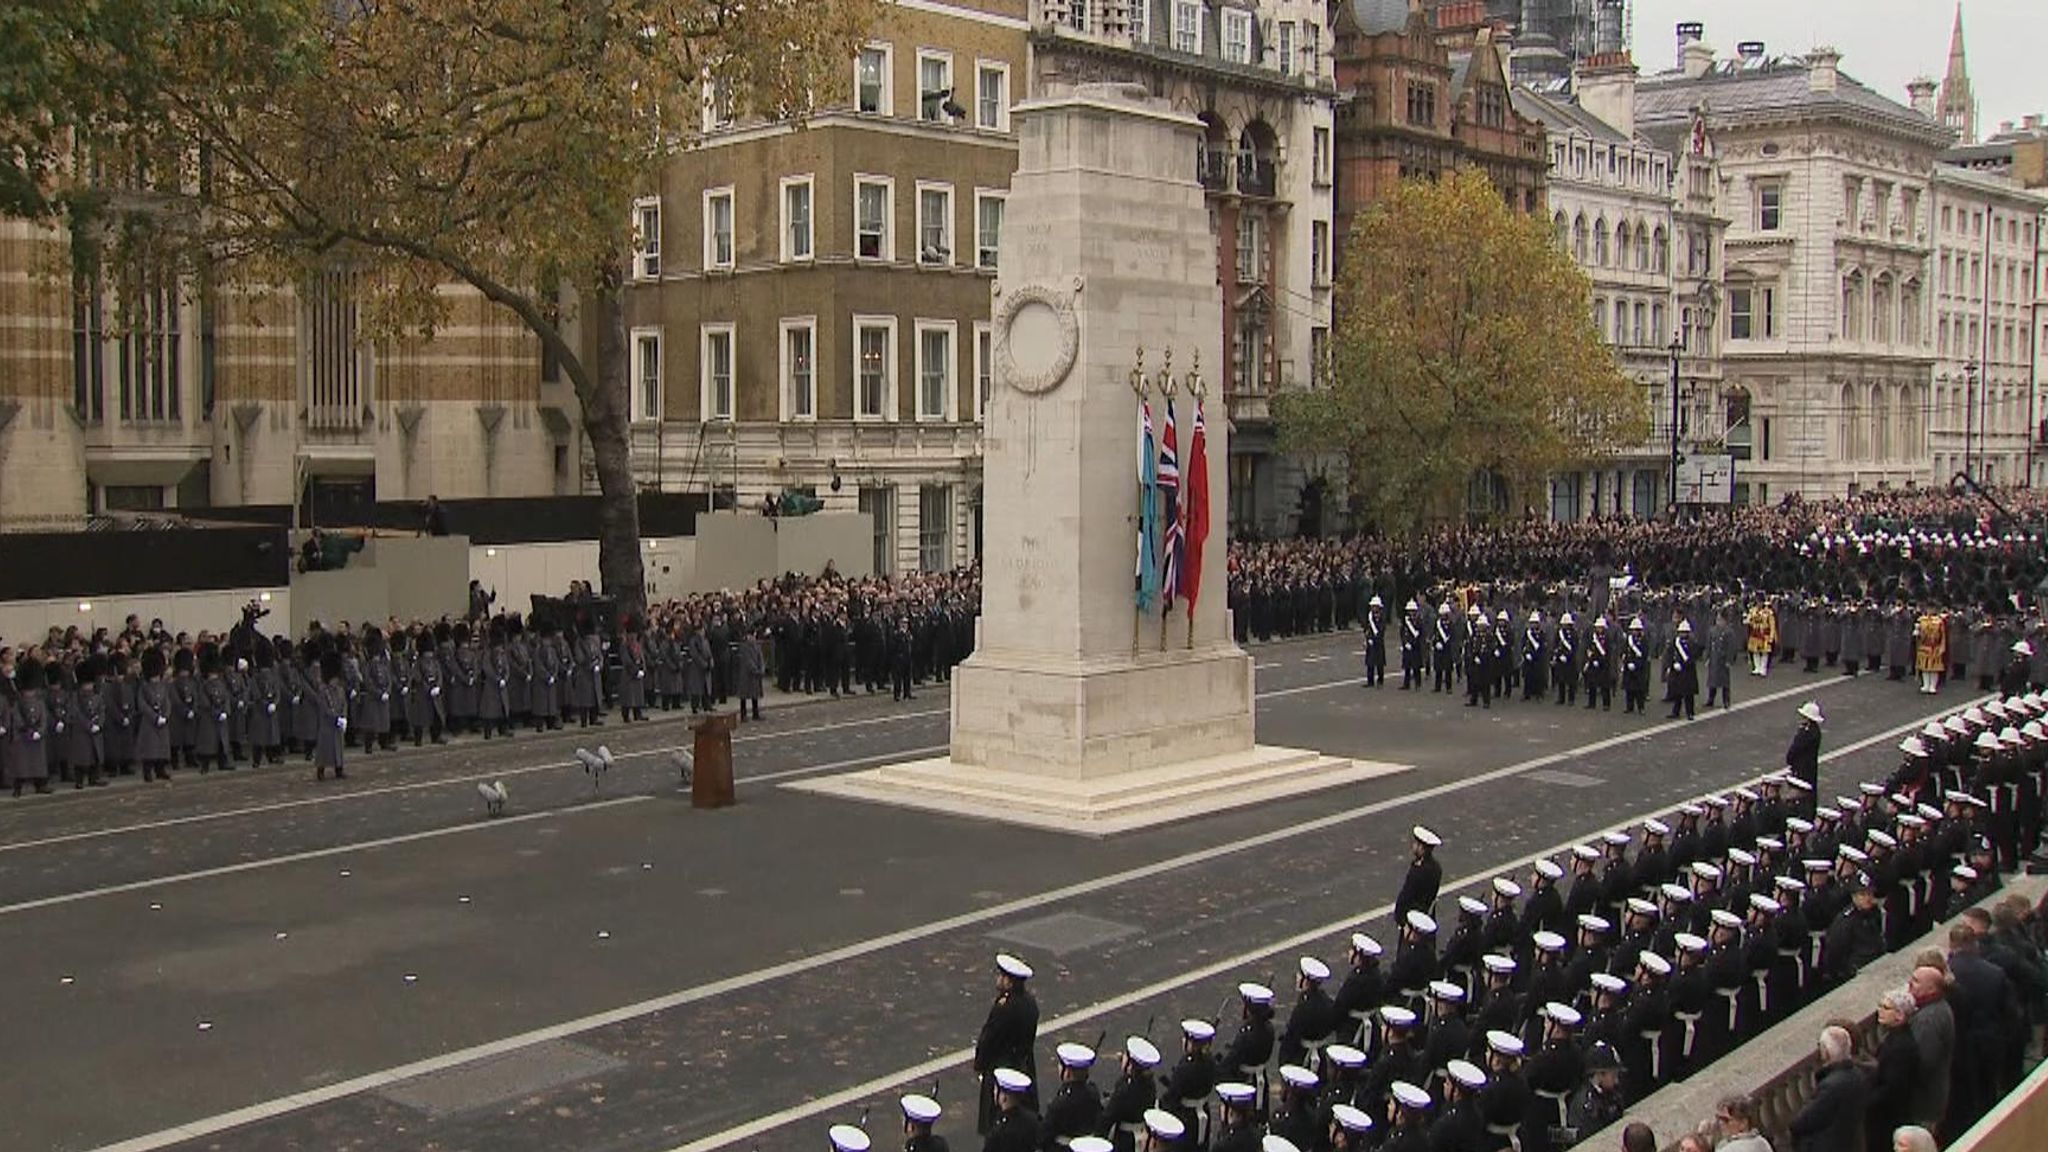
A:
<point x="1195" y="385"/>
<point x="1138" y="373"/>
<point x="1165" y="381"/>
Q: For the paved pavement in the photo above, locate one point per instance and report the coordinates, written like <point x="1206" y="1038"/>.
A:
<point x="257" y="961"/>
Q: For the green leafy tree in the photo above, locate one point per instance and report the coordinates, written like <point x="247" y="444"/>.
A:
<point x="499" y="143"/>
<point x="1464" y="357"/>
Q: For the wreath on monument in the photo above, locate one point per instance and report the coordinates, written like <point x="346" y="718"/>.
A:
<point x="1056" y="370"/>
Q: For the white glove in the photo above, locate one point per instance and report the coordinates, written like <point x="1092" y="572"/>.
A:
<point x="35" y="737"/>
<point x="270" y="708"/>
<point x="189" y="714"/>
<point x="341" y="722"/>
<point x="223" y="717"/>
<point x="434" y="691"/>
<point x="95" y="730"/>
<point x="384" y="697"/>
<point x="160" y="721"/>
<point x="60" y="727"/>
<point x="640" y="675"/>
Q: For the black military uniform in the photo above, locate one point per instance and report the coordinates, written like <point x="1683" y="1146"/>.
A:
<point x="1008" y="1040"/>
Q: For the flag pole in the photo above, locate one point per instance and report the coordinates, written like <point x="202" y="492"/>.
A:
<point x="1168" y="389"/>
<point x="1138" y="388"/>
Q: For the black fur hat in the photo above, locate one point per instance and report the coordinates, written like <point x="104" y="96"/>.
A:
<point x="547" y="627"/>
<point x="28" y="674"/>
<point x="266" y="653"/>
<point x="152" y="663"/>
<point x="373" y="641"/>
<point x="462" y="632"/>
<point x="182" y="661"/>
<point x="209" y="659"/>
<point x="89" y="670"/>
<point x="330" y="665"/>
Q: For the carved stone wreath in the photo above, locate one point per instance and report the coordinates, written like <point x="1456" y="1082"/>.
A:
<point x="1040" y="307"/>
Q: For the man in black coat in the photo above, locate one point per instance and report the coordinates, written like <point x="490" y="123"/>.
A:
<point x="1833" y="1117"/>
<point x="1008" y="1039"/>
<point x="1425" y="876"/>
<point x="1802" y="758"/>
<point x="1985" y="1007"/>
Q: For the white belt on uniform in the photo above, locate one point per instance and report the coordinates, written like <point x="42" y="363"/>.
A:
<point x="1814" y="941"/>
<point x="1199" y="1105"/>
<point x="1691" y="1020"/>
<point x="1798" y="958"/>
<point x="1255" y="1075"/>
<point x="1362" y="1037"/>
<point x="1557" y="1098"/>
<point x="1135" y="1127"/>
<point x="1762" y="980"/>
<point x="1734" y="998"/>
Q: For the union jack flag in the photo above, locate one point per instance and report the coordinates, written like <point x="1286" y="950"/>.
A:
<point x="1169" y="485"/>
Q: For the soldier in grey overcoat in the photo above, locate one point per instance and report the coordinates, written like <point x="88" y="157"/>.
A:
<point x="372" y="722"/>
<point x="1898" y="642"/>
<point x="633" y="668"/>
<point x="425" y="703"/>
<point x="494" y="692"/>
<point x="1722" y="645"/>
<point x="547" y="678"/>
<point x="184" y="705"/>
<point x="330" y="701"/>
<point x="117" y="688"/>
<point x="267" y="716"/>
<point x="586" y="674"/>
<point x="697" y="659"/>
<point x="153" y="718"/>
<point x="752" y="667"/>
<point x="1852" y="634"/>
<point x="210" y="729"/>
<point x="26" y="726"/>
<point x="519" y="677"/>
<point x="465" y="679"/>
<point x="85" y="743"/>
<point x="1813" y="626"/>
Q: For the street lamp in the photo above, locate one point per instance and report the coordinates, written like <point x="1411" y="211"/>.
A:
<point x="1969" y="417"/>
<point x="1677" y="346"/>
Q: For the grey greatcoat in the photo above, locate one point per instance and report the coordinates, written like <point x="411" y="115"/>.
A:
<point x="1721" y="648"/>
<point x="751" y="666"/>
<point x="1852" y="638"/>
<point x="216" y="713"/>
<point x="1898" y="640"/>
<point x="632" y="674"/>
<point x="302" y="695"/>
<point x="1813" y="633"/>
<point x="464" y="674"/>
<point x="696" y="666"/>
<point x="85" y="736"/>
<point x="519" y="676"/>
<point x="120" y="697"/>
<point x="373" y="702"/>
<point x="547" y="678"/>
<point x="586" y="677"/>
<point x="667" y="653"/>
<point x="153" y="721"/>
<point x="425" y="704"/>
<point x="330" y="701"/>
<point x="238" y="704"/>
<point x="28" y="728"/>
<point x="494" y="693"/>
<point x="266" y="708"/>
<point x="184" y="710"/>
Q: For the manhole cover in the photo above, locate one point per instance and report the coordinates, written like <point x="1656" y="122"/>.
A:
<point x="1064" y="932"/>
<point x="500" y="1078"/>
<point x="1567" y="779"/>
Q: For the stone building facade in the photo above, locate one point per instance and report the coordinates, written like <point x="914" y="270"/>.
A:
<point x="1987" y="302"/>
<point x="154" y="390"/>
<point x="1258" y="75"/>
<point x="809" y="303"/>
<point x="1825" y="313"/>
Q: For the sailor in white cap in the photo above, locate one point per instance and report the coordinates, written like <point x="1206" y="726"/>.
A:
<point x="1374" y="625"/>
<point x="1091" y="1144"/>
<point x="1635" y="668"/>
<point x="1414" y="647"/>
<point x="1296" y="1116"/>
<point x="1802" y="756"/>
<point x="1251" y="1049"/>
<point x="1502" y="928"/>
<point x="1507" y="1101"/>
<point x="1363" y="989"/>
<point x="1016" y="1128"/>
<point x="1076" y="1109"/>
<point x="1547" y="979"/>
<point x="1447" y="1035"/>
<point x="1596" y="667"/>
<point x="1496" y="1005"/>
<point x="1237" y="1129"/>
<point x="1164" y="1130"/>
<point x="1425" y="875"/>
<point x="1544" y="907"/>
<point x="920" y="1113"/>
<point x="1313" y="1022"/>
<point x="1584" y="896"/>
<point x="1350" y="1129"/>
<point x="1564" y="660"/>
<point x="1461" y="951"/>
<point x="1460" y="1123"/>
<point x="1555" y="1069"/>
<point x="1136" y="1090"/>
<point x="1411" y="1118"/>
<point x="847" y="1138"/>
<point x="1443" y="649"/>
<point x="1008" y="1039"/>
<point x="1415" y="960"/>
<point x="1398" y="1052"/>
<point x="1188" y="1086"/>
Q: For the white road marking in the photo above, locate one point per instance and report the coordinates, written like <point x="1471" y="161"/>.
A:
<point x="314" y="854"/>
<point x="1264" y="667"/>
<point x="284" y="1105"/>
<point x="1092" y="1012"/>
<point x="1315" y="659"/>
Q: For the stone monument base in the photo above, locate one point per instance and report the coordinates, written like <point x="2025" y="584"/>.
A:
<point x="1101" y="805"/>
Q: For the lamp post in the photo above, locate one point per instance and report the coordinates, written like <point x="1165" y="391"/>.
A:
<point x="1969" y="418"/>
<point x="1677" y="346"/>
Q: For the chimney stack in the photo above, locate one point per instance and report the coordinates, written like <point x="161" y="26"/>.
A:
<point x="1920" y="93"/>
<point x="2031" y="121"/>
<point x="1823" y="66"/>
<point x="1606" y="87"/>
<point x="1694" y="57"/>
<point x="1750" y="51"/>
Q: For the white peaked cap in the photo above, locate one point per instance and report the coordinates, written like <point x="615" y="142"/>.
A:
<point x="922" y="1109"/>
<point x="847" y="1138"/>
<point x="1011" y="1080"/>
<point x="1009" y="965"/>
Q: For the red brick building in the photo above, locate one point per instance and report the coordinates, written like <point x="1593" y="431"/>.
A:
<point x="1422" y="88"/>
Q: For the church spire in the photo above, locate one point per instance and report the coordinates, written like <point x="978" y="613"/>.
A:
<point x="1958" y="104"/>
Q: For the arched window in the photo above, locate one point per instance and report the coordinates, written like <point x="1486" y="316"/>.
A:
<point x="1880" y="423"/>
<point x="1600" y="316"/>
<point x="1881" y="305"/>
<point x="1600" y="242"/>
<point x="1579" y="238"/>
<point x="1852" y="306"/>
<point x="1622" y="244"/>
<point x="1642" y="246"/>
<point x="1909" y="312"/>
<point x="1621" y="321"/>
<point x="1850" y="424"/>
<point x="1564" y="231"/>
<point x="1660" y="258"/>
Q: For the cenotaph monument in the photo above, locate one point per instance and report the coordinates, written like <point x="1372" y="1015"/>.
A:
<point x="1079" y="711"/>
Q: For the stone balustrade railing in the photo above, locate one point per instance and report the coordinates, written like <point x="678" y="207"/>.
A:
<point x="1777" y="1068"/>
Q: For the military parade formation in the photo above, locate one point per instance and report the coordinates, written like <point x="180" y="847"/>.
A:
<point x="1546" y="1003"/>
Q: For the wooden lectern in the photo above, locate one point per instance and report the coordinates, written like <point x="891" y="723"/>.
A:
<point x="711" y="785"/>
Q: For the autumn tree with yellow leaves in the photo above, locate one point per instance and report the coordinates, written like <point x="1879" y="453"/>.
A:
<point x="499" y="143"/>
<point x="1464" y="365"/>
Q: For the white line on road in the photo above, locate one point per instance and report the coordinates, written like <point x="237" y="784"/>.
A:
<point x="1315" y="659"/>
<point x="314" y="854"/>
<point x="1092" y="1012"/>
<point x="738" y="982"/>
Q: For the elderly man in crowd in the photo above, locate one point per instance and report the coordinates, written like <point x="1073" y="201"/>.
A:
<point x="1832" y="1119"/>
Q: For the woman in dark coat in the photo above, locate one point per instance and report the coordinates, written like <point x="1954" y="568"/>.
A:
<point x="331" y="701"/>
<point x="27" y="724"/>
<point x="153" y="718"/>
<point x="1896" y="1073"/>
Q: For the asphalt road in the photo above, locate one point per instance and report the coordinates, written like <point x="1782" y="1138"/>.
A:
<point x="256" y="961"/>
